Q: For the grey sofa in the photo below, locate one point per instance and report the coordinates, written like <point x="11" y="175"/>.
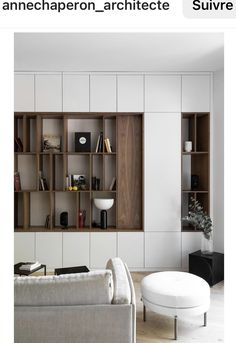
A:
<point x="94" y="307"/>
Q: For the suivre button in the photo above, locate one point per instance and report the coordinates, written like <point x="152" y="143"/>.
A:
<point x="209" y="9"/>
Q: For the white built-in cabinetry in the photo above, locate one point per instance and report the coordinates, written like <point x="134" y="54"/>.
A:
<point x="103" y="93"/>
<point x="103" y="246"/>
<point x="24" y="92"/>
<point x="162" y="93"/>
<point x="75" y="93"/>
<point x="162" y="165"/>
<point x="130" y="93"/>
<point x="75" y="249"/>
<point x="48" y="93"/>
<point x="162" y="97"/>
<point x="196" y="93"/>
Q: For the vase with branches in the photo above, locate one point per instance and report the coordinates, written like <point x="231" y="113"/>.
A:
<point x="201" y="221"/>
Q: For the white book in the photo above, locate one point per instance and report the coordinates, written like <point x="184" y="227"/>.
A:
<point x="30" y="266"/>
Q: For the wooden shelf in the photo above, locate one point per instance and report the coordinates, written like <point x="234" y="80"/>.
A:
<point x="33" y="205"/>
<point x="195" y="127"/>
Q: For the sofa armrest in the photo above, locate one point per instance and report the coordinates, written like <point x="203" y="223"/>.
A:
<point x="122" y="291"/>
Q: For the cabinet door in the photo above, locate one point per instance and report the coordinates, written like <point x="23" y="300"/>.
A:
<point x="75" y="93"/>
<point x="162" y="249"/>
<point x="191" y="241"/>
<point x="195" y="93"/>
<point x="24" y="93"/>
<point x="49" y="249"/>
<point x="130" y="248"/>
<point x="48" y="93"/>
<point x="75" y="249"/>
<point x="103" y="247"/>
<point x="103" y="93"/>
<point x="24" y="243"/>
<point x="162" y="93"/>
<point x="162" y="172"/>
<point x="130" y="93"/>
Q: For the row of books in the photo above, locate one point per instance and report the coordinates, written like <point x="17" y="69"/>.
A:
<point x="99" y="145"/>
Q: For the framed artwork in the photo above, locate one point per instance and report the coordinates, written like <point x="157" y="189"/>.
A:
<point x="51" y="143"/>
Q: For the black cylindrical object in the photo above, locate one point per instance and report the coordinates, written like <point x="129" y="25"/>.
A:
<point x="64" y="219"/>
<point x="103" y="219"/>
<point x="194" y="182"/>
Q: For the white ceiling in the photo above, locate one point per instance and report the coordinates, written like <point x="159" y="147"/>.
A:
<point x="119" y="51"/>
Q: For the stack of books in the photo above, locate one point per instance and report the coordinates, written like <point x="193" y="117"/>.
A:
<point x="99" y="146"/>
<point x="29" y="266"/>
<point x="107" y="144"/>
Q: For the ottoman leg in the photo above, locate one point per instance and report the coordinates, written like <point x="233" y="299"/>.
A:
<point x="176" y="328"/>
<point x="144" y="313"/>
<point x="205" y="319"/>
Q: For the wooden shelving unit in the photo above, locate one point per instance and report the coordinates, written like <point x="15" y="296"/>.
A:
<point x="195" y="128"/>
<point x="32" y="204"/>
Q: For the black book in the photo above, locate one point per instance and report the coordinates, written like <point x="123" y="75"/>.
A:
<point x="100" y="146"/>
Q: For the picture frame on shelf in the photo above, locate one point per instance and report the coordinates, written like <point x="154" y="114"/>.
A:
<point x="51" y="143"/>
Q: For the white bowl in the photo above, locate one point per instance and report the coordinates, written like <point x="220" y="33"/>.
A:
<point x="103" y="204"/>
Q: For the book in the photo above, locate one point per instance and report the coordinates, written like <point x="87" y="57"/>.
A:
<point x="17" y="183"/>
<point x="99" y="147"/>
<point x="113" y="184"/>
<point x="18" y="144"/>
<point x="45" y="185"/>
<point x="107" y="145"/>
<point x="29" y="266"/>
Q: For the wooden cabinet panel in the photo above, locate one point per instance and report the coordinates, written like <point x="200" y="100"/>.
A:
<point x="48" y="93"/>
<point x="103" y="93"/>
<point x="129" y="209"/>
<point x="195" y="93"/>
<point x="49" y="249"/>
<point x="75" y="93"/>
<point x="162" y="249"/>
<point x="130" y="248"/>
<point x="162" y="93"/>
<point x="24" y="92"/>
<point x="75" y="249"/>
<point x="191" y="241"/>
<point x="162" y="171"/>
<point x="130" y="93"/>
<point x="103" y="247"/>
<point x="24" y="247"/>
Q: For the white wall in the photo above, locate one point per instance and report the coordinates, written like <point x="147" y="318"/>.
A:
<point x="218" y="160"/>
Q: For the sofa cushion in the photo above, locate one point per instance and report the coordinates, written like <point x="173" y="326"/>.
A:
<point x="122" y="293"/>
<point x="95" y="287"/>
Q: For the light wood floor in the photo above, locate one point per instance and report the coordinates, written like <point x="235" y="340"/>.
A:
<point x="159" y="329"/>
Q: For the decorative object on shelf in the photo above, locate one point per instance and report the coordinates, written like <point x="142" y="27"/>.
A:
<point x="107" y="145"/>
<point x="64" y="220"/>
<point x="194" y="182"/>
<point x="17" y="183"/>
<point x="82" y="141"/>
<point x="188" y="146"/>
<point x="51" y="143"/>
<point x="103" y="205"/>
<point x="79" y="181"/>
<point x="202" y="221"/>
<point x="82" y="218"/>
<point x="47" y="222"/>
<point x="18" y="144"/>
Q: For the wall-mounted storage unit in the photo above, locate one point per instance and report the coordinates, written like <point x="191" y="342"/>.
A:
<point x="47" y="175"/>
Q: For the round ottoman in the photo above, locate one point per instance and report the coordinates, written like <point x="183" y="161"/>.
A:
<point x="176" y="294"/>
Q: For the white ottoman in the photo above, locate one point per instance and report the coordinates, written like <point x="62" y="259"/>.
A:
<point x="176" y="294"/>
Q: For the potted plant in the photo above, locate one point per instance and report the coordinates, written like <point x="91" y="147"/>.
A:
<point x="201" y="221"/>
